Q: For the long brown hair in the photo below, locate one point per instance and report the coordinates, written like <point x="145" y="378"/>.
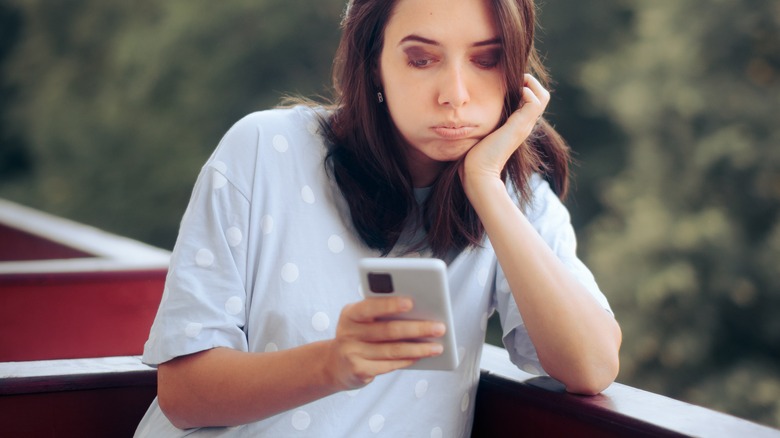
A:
<point x="365" y="156"/>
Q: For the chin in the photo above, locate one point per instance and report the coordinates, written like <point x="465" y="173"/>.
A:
<point x="453" y="151"/>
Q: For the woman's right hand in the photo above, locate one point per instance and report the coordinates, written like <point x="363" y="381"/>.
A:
<point x="368" y="343"/>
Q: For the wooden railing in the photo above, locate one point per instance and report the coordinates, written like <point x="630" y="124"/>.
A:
<point x="69" y="292"/>
<point x="106" y="397"/>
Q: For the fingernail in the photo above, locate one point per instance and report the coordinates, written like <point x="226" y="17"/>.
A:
<point x="437" y="349"/>
<point x="405" y="305"/>
<point x="439" y="329"/>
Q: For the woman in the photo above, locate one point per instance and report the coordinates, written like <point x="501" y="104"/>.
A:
<point x="434" y="147"/>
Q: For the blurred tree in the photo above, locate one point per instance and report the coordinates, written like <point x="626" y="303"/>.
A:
<point x="690" y="245"/>
<point x="121" y="103"/>
<point x="570" y="34"/>
<point x="14" y="157"/>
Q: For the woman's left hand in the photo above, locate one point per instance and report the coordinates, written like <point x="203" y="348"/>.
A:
<point x="488" y="157"/>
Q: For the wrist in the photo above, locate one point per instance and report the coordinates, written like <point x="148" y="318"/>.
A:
<point x="482" y="188"/>
<point x="327" y="367"/>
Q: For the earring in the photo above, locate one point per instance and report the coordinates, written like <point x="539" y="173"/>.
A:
<point x="379" y="97"/>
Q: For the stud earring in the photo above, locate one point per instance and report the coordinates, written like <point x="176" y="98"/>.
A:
<point x="379" y="97"/>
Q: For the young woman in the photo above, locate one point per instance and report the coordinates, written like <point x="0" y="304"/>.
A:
<point x="435" y="147"/>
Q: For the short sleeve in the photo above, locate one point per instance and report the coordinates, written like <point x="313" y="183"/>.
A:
<point x="205" y="298"/>
<point x="551" y="220"/>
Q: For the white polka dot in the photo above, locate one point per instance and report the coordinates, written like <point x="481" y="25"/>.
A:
<point x="307" y="194"/>
<point x="335" y="244"/>
<point x="204" y="258"/>
<point x="436" y="432"/>
<point x="218" y="180"/>
<point x="421" y="388"/>
<point x="267" y="224"/>
<point x="220" y="166"/>
<point x="484" y="322"/>
<point x="193" y="329"/>
<point x="376" y="423"/>
<point x="464" y="402"/>
<point x="482" y="276"/>
<point x="234" y="236"/>
<point x="301" y="420"/>
<point x="271" y="347"/>
<point x="234" y="305"/>
<point x="320" y="321"/>
<point x="290" y="272"/>
<point x="531" y="369"/>
<point x="280" y="143"/>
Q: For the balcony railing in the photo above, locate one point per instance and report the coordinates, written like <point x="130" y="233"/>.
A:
<point x="76" y="305"/>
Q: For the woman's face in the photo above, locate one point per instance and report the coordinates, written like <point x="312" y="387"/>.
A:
<point x="442" y="79"/>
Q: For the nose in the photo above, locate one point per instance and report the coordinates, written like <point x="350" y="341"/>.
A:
<point x="453" y="87"/>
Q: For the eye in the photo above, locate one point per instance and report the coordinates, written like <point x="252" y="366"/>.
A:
<point x="418" y="57"/>
<point x="487" y="60"/>
<point x="420" y="62"/>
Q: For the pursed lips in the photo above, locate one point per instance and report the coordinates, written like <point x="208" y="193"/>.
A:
<point x="454" y="130"/>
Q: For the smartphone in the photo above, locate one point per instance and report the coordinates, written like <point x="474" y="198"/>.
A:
<point x="425" y="282"/>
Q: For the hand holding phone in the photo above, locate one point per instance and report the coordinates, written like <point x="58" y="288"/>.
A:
<point x="425" y="282"/>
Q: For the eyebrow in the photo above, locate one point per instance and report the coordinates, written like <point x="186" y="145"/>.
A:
<point x="419" y="39"/>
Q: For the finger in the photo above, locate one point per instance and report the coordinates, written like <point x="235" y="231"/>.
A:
<point x="536" y="88"/>
<point x="402" y="351"/>
<point x="372" y="309"/>
<point x="398" y="330"/>
<point x="364" y="362"/>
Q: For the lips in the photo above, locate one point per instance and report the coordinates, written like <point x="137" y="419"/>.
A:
<point x="454" y="131"/>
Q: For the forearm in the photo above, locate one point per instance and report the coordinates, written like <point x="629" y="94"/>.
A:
<point x="224" y="387"/>
<point x="576" y="339"/>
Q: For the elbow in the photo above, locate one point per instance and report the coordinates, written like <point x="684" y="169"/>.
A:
<point x="173" y="396"/>
<point x="593" y="382"/>
<point x="595" y="377"/>
<point x="172" y="409"/>
<point x="592" y="376"/>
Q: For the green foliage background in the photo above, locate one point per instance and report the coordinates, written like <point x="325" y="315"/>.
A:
<point x="108" y="110"/>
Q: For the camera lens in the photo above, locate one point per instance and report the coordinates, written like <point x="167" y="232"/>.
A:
<point x="379" y="282"/>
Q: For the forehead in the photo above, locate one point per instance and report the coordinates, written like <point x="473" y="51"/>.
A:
<point x="445" y="21"/>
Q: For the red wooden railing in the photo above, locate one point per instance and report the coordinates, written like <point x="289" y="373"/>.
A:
<point x="72" y="291"/>
<point x="77" y="304"/>
<point x="108" y="396"/>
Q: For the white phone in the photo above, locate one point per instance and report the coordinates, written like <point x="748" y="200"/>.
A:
<point x="425" y="281"/>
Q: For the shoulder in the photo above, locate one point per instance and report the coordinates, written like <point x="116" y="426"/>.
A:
<point x="268" y="142"/>
<point x="299" y="122"/>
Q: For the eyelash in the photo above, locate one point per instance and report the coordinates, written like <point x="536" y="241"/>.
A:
<point x="418" y="63"/>
<point x="487" y="64"/>
<point x="422" y="63"/>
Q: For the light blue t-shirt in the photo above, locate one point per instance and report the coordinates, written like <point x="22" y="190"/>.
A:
<point x="266" y="259"/>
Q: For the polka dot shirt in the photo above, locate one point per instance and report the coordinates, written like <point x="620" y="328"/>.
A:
<point x="266" y="259"/>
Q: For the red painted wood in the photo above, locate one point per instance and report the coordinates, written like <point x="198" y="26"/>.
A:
<point x="98" y="412"/>
<point x="18" y="245"/>
<point x="80" y="314"/>
<point x="506" y="408"/>
<point x="101" y="403"/>
<point x="511" y="403"/>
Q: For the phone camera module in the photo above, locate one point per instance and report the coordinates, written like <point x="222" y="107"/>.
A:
<point x="380" y="283"/>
